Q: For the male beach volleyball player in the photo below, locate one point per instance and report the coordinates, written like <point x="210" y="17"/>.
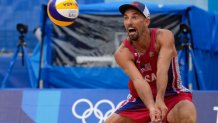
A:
<point x="149" y="58"/>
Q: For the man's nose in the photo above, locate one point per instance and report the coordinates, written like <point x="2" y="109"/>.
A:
<point x="129" y="22"/>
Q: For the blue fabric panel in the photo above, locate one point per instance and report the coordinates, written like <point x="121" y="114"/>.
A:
<point x="204" y="29"/>
<point x="82" y="77"/>
<point x="19" y="75"/>
<point x="8" y="81"/>
<point x="207" y="61"/>
<point x="198" y="81"/>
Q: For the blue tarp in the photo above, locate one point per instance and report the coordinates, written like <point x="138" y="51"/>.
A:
<point x="204" y="27"/>
<point x="83" y="77"/>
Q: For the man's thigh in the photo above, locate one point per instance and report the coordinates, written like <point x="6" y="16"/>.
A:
<point x="116" y="118"/>
<point x="184" y="109"/>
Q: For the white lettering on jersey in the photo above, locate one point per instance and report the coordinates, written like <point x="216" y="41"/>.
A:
<point x="153" y="77"/>
<point x="150" y="77"/>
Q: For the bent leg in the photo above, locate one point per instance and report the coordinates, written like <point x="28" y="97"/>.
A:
<point x="116" y="118"/>
<point x="182" y="112"/>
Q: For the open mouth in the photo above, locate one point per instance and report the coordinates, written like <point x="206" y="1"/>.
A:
<point x="132" y="30"/>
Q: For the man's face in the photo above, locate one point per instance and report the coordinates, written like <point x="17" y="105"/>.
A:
<point x="135" y="24"/>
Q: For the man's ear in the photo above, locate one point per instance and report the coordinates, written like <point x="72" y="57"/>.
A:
<point x="147" y="22"/>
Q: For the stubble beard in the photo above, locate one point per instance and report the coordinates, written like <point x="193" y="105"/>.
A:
<point x="134" y="37"/>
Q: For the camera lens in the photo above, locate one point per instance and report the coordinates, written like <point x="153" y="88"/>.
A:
<point x="22" y="28"/>
<point x="184" y="29"/>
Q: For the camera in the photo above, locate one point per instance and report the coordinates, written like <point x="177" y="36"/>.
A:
<point x="184" y="28"/>
<point x="22" y="28"/>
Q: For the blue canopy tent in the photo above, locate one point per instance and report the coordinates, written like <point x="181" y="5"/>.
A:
<point x="114" y="77"/>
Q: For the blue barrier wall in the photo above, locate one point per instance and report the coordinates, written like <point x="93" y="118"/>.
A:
<point x="81" y="105"/>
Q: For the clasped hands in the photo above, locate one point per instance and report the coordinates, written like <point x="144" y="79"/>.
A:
<point x="158" y="112"/>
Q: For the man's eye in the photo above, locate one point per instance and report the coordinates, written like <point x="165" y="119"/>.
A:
<point x="134" y="17"/>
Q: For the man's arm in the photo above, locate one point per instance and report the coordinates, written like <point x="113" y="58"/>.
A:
<point x="165" y="42"/>
<point x="124" y="59"/>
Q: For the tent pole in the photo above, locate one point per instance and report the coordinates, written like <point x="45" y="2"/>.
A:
<point x="40" y="81"/>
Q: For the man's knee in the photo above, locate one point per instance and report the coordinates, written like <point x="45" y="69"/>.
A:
<point x="188" y="119"/>
<point x="187" y="112"/>
<point x="183" y="112"/>
<point x="115" y="118"/>
<point x="110" y="119"/>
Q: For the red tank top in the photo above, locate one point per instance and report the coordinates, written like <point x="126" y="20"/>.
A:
<point x="146" y="63"/>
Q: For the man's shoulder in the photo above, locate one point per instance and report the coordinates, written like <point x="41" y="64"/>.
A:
<point x="163" y="33"/>
<point x="164" y="36"/>
<point x="122" y="48"/>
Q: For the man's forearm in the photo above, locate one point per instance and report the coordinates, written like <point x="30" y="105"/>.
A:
<point x="161" y="86"/>
<point x="144" y="92"/>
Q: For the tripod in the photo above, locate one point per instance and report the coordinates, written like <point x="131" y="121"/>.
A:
<point x="194" y="79"/>
<point x="21" y="46"/>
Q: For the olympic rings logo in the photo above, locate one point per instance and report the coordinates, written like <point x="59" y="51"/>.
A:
<point x="94" y="109"/>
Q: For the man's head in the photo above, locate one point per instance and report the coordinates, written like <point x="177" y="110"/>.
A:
<point x="136" y="19"/>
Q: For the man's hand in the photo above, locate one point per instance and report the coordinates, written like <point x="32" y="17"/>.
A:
<point x="160" y="105"/>
<point x="155" y="115"/>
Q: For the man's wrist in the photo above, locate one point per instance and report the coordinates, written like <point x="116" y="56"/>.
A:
<point x="160" y="97"/>
<point x="151" y="107"/>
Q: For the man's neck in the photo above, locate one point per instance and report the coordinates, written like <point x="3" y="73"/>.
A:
<point x="144" y="41"/>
